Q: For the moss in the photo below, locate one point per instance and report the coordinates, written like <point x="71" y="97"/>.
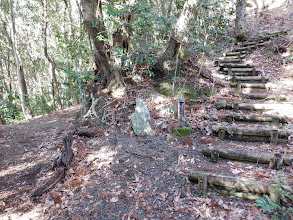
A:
<point x="166" y="88"/>
<point x="183" y="54"/>
<point x="208" y="91"/>
<point x="185" y="131"/>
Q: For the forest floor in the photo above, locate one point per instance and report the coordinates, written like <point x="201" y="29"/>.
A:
<point x="118" y="175"/>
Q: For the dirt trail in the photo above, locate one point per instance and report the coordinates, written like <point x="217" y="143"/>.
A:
<point x="26" y="154"/>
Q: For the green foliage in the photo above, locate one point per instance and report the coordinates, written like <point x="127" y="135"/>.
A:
<point x="211" y="25"/>
<point x="10" y="109"/>
<point x="39" y="104"/>
<point x="284" y="208"/>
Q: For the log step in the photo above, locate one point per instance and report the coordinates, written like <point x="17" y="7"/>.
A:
<point x="230" y="182"/>
<point x="255" y="118"/>
<point x="250" y="90"/>
<point x="247" y="69"/>
<point x="251" y="43"/>
<point x="277" y="33"/>
<point x="249" y="48"/>
<point x="252" y="85"/>
<point x="248" y="78"/>
<point x="263" y="96"/>
<point x="242" y="73"/>
<point x="247" y="131"/>
<point x="236" y="65"/>
<point x="234" y="57"/>
<point x="248" y="156"/>
<point x="227" y="60"/>
<point x="260" y="39"/>
<point x="228" y="54"/>
<point x="263" y="107"/>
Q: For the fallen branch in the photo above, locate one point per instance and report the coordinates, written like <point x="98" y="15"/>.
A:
<point x="61" y="163"/>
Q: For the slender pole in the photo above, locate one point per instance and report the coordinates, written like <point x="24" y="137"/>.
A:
<point x="79" y="84"/>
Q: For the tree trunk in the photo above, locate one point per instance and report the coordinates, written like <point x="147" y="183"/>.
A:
<point x="240" y="22"/>
<point x="55" y="85"/>
<point x="163" y="9"/>
<point x="20" y="74"/>
<point x="180" y="36"/>
<point x="93" y="21"/>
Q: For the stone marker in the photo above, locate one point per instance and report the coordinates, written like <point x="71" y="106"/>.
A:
<point x="221" y="104"/>
<point x="141" y="119"/>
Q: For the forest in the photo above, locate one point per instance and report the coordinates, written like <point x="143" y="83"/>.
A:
<point x="146" y="109"/>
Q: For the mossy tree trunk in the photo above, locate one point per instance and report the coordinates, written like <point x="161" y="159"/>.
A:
<point x="93" y="21"/>
<point x="179" y="37"/>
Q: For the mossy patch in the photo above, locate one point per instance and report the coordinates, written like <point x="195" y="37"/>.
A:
<point x="166" y="88"/>
<point x="185" y="131"/>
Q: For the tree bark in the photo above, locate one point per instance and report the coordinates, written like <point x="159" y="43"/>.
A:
<point x="55" y="84"/>
<point x="240" y="22"/>
<point x="20" y="74"/>
<point x="93" y="21"/>
<point x="179" y="37"/>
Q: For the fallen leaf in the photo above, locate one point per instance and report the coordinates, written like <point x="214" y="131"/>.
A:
<point x="96" y="214"/>
<point x="235" y="171"/>
<point x="254" y="211"/>
<point x="114" y="199"/>
<point x="179" y="148"/>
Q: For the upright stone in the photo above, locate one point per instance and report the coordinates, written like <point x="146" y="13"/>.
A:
<point x="141" y="119"/>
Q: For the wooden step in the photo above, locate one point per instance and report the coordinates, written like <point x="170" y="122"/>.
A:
<point x="279" y="107"/>
<point x="247" y="69"/>
<point x="248" y="48"/>
<point x="277" y="33"/>
<point x="228" y="54"/>
<point x="236" y="65"/>
<point x="273" y="136"/>
<point x="227" y="60"/>
<point x="264" y="96"/>
<point x="251" y="90"/>
<point x="255" y="118"/>
<point x="260" y="39"/>
<point x="251" y="43"/>
<point x="241" y="73"/>
<point x="249" y="131"/>
<point x="252" y="85"/>
<point x="233" y="57"/>
<point x="248" y="156"/>
<point x="253" y="79"/>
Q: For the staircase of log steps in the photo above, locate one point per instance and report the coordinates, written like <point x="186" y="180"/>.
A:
<point x="253" y="124"/>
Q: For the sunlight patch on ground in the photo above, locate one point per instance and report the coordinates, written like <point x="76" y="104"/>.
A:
<point x="103" y="157"/>
<point x="20" y="167"/>
<point x="33" y="214"/>
<point x="162" y="105"/>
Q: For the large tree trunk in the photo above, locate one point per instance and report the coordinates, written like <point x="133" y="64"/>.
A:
<point x="55" y="84"/>
<point x="180" y="36"/>
<point x="93" y="20"/>
<point x="240" y="22"/>
<point x="20" y="74"/>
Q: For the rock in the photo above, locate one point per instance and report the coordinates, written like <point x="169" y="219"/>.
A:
<point x="221" y="104"/>
<point x="185" y="131"/>
<point x="141" y="119"/>
<point x="213" y="117"/>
